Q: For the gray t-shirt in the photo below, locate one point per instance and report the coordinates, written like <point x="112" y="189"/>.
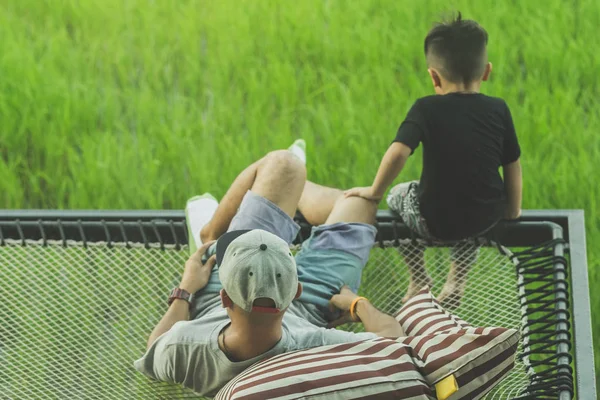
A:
<point x="189" y="353"/>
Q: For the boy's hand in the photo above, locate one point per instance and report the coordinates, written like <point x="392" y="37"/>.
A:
<point x="366" y="192"/>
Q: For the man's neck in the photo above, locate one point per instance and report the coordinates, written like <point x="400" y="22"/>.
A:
<point x="242" y="341"/>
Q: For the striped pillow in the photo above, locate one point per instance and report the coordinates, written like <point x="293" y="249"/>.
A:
<point x="442" y="347"/>
<point x="372" y="369"/>
<point x="423" y="315"/>
<point x="445" y="346"/>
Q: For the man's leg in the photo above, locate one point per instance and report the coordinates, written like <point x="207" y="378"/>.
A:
<point x="278" y="177"/>
<point x="337" y="250"/>
<point x="324" y="205"/>
<point x="264" y="196"/>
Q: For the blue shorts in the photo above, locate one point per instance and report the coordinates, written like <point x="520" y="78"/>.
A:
<point x="333" y="256"/>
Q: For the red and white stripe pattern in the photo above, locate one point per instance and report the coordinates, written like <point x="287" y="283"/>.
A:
<point x="440" y="344"/>
<point x="444" y="345"/>
<point x="423" y="315"/>
<point x="477" y="357"/>
<point x="373" y="369"/>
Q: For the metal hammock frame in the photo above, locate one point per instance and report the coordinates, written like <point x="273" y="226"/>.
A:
<point x="552" y="275"/>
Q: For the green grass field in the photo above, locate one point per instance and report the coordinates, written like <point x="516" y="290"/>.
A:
<point x="135" y="104"/>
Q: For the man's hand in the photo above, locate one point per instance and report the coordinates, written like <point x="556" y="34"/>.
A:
<point x="195" y="277"/>
<point x="374" y="321"/>
<point x="342" y="302"/>
<point x="196" y="274"/>
<point x="366" y="192"/>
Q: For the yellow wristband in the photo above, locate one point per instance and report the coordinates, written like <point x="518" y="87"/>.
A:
<point x="353" y="308"/>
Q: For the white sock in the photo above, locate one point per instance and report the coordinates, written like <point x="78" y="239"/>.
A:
<point x="299" y="150"/>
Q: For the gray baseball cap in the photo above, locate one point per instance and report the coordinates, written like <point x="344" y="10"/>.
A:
<point x="257" y="264"/>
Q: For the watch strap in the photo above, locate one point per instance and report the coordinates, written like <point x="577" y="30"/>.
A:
<point x="178" y="293"/>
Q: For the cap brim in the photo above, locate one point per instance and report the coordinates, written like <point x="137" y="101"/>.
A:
<point x="226" y="239"/>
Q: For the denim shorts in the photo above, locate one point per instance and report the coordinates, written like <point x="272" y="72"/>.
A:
<point x="333" y="256"/>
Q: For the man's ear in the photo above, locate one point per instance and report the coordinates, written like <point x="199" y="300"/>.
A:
<point x="487" y="71"/>
<point x="225" y="300"/>
<point x="299" y="291"/>
<point x="435" y="78"/>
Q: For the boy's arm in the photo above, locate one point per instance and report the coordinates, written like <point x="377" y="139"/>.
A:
<point x="513" y="182"/>
<point x="392" y="163"/>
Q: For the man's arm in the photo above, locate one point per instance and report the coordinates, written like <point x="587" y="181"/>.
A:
<point x="513" y="182"/>
<point x="195" y="277"/>
<point x="391" y="164"/>
<point x="179" y="310"/>
<point x="375" y="321"/>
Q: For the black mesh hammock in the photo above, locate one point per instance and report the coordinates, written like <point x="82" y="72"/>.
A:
<point x="82" y="290"/>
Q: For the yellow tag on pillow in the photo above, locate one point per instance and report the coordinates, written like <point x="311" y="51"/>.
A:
<point x="446" y="387"/>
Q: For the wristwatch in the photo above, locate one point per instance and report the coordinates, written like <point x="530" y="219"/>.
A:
<point x="182" y="294"/>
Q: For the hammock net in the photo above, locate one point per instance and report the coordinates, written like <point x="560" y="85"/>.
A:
<point x="75" y="317"/>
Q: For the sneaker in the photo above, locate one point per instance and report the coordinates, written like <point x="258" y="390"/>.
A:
<point x="198" y="212"/>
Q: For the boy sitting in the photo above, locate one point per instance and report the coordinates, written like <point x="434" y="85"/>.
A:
<point x="466" y="137"/>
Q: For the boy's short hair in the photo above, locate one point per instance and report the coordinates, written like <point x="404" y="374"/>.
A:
<point x="458" y="49"/>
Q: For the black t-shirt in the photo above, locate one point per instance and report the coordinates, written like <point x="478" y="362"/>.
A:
<point x="466" y="138"/>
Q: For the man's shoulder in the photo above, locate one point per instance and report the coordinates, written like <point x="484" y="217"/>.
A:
<point x="195" y="332"/>
<point x="305" y="335"/>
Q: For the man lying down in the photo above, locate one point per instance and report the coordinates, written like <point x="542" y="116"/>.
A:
<point x="261" y="300"/>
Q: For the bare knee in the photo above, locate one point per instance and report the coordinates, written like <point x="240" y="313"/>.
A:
<point x="280" y="178"/>
<point x="353" y="209"/>
<point x="284" y="164"/>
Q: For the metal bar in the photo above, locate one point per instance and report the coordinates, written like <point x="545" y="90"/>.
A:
<point x="581" y="314"/>
<point x="92" y="215"/>
<point x="562" y="307"/>
<point x="168" y="226"/>
<point x="558" y="216"/>
<point x="93" y="231"/>
<point x="511" y="234"/>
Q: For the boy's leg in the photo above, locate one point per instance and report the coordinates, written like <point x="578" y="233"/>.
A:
<point x="414" y="257"/>
<point x="463" y="257"/>
<point x="403" y="200"/>
<point x="278" y="177"/>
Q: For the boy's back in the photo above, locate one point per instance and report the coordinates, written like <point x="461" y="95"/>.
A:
<point x="466" y="138"/>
